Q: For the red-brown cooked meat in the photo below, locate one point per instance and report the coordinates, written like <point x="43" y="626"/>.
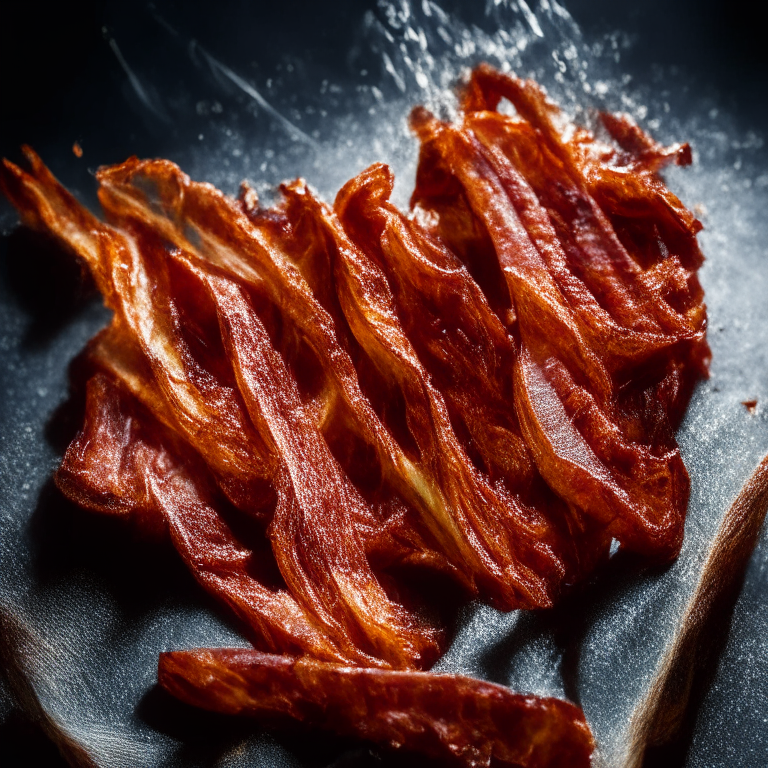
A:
<point x="461" y="721"/>
<point x="610" y="337"/>
<point x="486" y="390"/>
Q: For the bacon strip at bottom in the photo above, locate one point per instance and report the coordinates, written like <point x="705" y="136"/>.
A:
<point x="459" y="720"/>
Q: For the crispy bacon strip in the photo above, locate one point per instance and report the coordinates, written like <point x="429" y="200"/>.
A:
<point x="605" y="363"/>
<point x="124" y="463"/>
<point x="318" y="550"/>
<point x="185" y="204"/>
<point x="616" y="199"/>
<point x="458" y="720"/>
<point x="157" y="294"/>
<point x="466" y="349"/>
<point x="186" y="396"/>
<point x="216" y="233"/>
<point x="640" y="498"/>
<point x="481" y="528"/>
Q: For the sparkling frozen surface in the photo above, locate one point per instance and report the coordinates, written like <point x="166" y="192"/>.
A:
<point x="87" y="627"/>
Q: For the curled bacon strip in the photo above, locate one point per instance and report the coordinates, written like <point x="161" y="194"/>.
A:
<point x="182" y="318"/>
<point x="455" y="719"/>
<point x="607" y="357"/>
<point x="124" y="463"/>
<point x="487" y="389"/>
<point x="183" y="395"/>
<point x="470" y="358"/>
<point x="260" y="255"/>
<point x="314" y="498"/>
<point x="482" y="530"/>
<point x="439" y="501"/>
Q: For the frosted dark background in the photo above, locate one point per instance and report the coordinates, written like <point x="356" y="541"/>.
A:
<point x="89" y="609"/>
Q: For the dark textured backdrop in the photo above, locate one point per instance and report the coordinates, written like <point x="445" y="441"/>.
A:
<point x="60" y="82"/>
<point x="57" y="69"/>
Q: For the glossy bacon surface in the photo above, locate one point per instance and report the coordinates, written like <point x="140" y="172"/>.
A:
<point x="609" y="324"/>
<point x="202" y="348"/>
<point x="470" y="358"/>
<point x="268" y="255"/>
<point x="457" y="720"/>
<point x="124" y="463"/>
<point x="182" y="393"/>
<point x="486" y="389"/>
<point x="483" y="530"/>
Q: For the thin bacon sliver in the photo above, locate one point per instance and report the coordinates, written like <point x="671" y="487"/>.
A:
<point x="121" y="463"/>
<point x="638" y="219"/>
<point x="314" y="498"/>
<point x="481" y="528"/>
<point x="461" y="721"/>
<point x="612" y="355"/>
<point x="207" y="412"/>
<point x="257" y="255"/>
<point x="468" y="354"/>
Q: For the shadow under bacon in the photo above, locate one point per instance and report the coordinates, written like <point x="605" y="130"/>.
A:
<point x="486" y="390"/>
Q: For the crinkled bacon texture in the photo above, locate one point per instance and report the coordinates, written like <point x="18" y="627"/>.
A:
<point x="486" y="389"/>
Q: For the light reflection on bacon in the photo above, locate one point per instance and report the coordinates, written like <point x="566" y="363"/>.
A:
<point x="454" y="719"/>
<point x="610" y="342"/>
<point x="470" y="358"/>
<point x="487" y="390"/>
<point x="482" y="530"/>
<point x="123" y="463"/>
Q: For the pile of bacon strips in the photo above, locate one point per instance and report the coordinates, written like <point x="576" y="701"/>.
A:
<point x="482" y="393"/>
